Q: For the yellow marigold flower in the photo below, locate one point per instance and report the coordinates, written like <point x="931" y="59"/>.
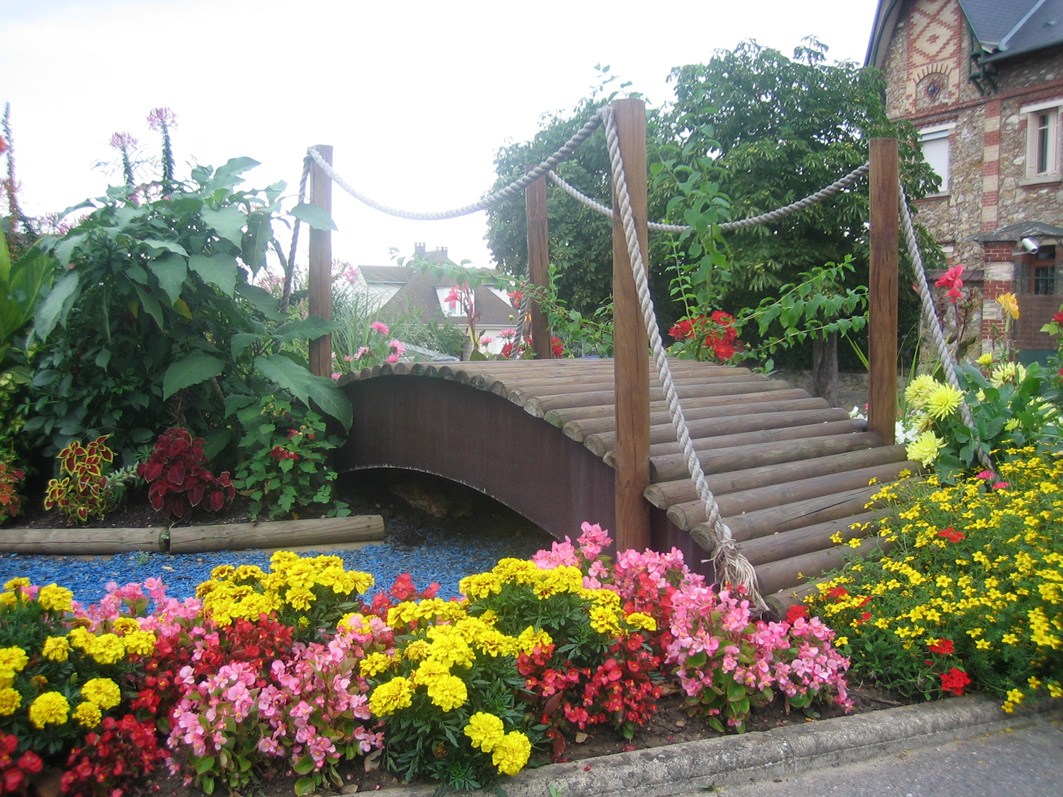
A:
<point x="511" y="753"/>
<point x="531" y="638"/>
<point x="643" y="621"/>
<point x="480" y="585"/>
<point x="374" y="664"/>
<point x="391" y="696"/>
<point x="924" y="449"/>
<point x="484" y="730"/>
<point x="448" y="692"/>
<point x="10" y="700"/>
<point x="141" y="643"/>
<point x="107" y="649"/>
<point x="416" y="650"/>
<point x="943" y="401"/>
<point x="55" y="598"/>
<point x="13" y="659"/>
<point x="429" y="670"/>
<point x="50" y="708"/>
<point x="102" y="691"/>
<point x="88" y="714"/>
<point x="354" y="621"/>
<point x="605" y="620"/>
<point x="1009" y="304"/>
<point x="222" y="571"/>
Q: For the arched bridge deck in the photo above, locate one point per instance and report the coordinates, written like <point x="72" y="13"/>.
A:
<point x="788" y="471"/>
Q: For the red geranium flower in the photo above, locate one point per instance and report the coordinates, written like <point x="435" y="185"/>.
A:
<point x="1058" y="317"/>
<point x="943" y="646"/>
<point x="951" y="534"/>
<point x="951" y="280"/>
<point x="837" y="592"/>
<point x="796" y="612"/>
<point x="955" y="681"/>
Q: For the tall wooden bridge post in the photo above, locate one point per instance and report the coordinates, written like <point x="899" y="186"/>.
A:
<point x="882" y="289"/>
<point x="538" y="261"/>
<point x="630" y="341"/>
<point x="320" y="276"/>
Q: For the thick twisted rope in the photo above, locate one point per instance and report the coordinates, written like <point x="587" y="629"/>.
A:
<point x="730" y="565"/>
<point x="491" y="200"/>
<point x="763" y="218"/>
<point x="933" y="323"/>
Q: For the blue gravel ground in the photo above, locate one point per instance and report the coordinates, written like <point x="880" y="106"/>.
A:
<point x="442" y="556"/>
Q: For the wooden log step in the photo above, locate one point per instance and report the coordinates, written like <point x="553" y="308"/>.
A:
<point x="603" y="442"/>
<point x="734" y="505"/>
<point x="785" y="573"/>
<point x="82" y="542"/>
<point x="673" y="467"/>
<point x="578" y="394"/>
<point x="578" y="430"/>
<point x="238" y="536"/>
<point x="789" y="516"/>
<point x="773" y="390"/>
<point x="808" y="539"/>
<point x="683" y="490"/>
<point x="848" y="426"/>
<point x="780" y="602"/>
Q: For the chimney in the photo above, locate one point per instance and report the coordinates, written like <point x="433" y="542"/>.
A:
<point x="418" y="250"/>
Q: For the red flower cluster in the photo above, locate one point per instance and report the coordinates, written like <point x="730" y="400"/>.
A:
<point x="943" y="646"/>
<point x="279" y="453"/>
<point x="717" y="334"/>
<point x="955" y="681"/>
<point x="178" y="478"/>
<point x="14" y="772"/>
<point x="618" y="691"/>
<point x="123" y="754"/>
<point x="951" y="280"/>
<point x="951" y="534"/>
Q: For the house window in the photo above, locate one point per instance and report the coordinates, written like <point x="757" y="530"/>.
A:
<point x="934" y="142"/>
<point x="1042" y="140"/>
<point x="1044" y="272"/>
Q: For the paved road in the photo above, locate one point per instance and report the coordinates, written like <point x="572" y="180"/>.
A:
<point x="1025" y="761"/>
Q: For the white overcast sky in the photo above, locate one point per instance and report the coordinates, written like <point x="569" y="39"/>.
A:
<point x="416" y="97"/>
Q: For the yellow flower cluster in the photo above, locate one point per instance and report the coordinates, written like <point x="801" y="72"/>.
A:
<point x="967" y="563"/>
<point x="246" y="592"/>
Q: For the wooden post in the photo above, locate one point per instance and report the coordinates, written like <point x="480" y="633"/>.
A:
<point x="321" y="265"/>
<point x="630" y="341"/>
<point x="882" y="289"/>
<point x="538" y="261"/>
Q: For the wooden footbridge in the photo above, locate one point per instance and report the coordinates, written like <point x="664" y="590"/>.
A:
<point x="788" y="471"/>
<point x="567" y="441"/>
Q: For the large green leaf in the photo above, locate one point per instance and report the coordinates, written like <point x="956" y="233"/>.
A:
<point x="55" y="305"/>
<point x="309" y="328"/>
<point x="64" y="250"/>
<point x="218" y="269"/>
<point x="170" y="270"/>
<point x="151" y="306"/>
<point x="331" y="400"/>
<point x="166" y="246"/>
<point x="298" y="380"/>
<point x="261" y="299"/>
<point x="192" y="370"/>
<point x="228" y="175"/>
<point x="228" y="222"/>
<point x="313" y="215"/>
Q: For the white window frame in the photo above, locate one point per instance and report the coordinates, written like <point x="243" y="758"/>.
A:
<point x="941" y="165"/>
<point x="1042" y="137"/>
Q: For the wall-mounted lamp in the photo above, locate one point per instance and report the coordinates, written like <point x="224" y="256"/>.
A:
<point x="1030" y="245"/>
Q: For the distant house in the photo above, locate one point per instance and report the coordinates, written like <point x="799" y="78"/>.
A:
<point x="982" y="81"/>
<point x="403" y="290"/>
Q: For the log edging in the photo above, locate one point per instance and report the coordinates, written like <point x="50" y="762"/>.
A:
<point x="193" y="539"/>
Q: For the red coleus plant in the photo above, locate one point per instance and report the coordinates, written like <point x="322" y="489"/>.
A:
<point x="178" y="478"/>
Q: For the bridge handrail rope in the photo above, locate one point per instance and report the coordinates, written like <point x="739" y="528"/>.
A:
<point x="933" y="322"/>
<point x="731" y="566"/>
<point x="741" y="224"/>
<point x="510" y="190"/>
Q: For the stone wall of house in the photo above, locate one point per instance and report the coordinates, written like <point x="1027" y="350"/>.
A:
<point x="927" y="68"/>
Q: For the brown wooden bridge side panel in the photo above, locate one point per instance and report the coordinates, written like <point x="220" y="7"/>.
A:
<point x="479" y="439"/>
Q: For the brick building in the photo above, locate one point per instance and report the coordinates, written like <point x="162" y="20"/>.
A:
<point x="982" y="81"/>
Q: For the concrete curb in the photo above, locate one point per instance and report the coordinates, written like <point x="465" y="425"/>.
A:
<point x="737" y="760"/>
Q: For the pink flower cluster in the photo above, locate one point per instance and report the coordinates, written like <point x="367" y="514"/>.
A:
<point x="709" y="638"/>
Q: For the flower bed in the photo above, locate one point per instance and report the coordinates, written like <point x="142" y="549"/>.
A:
<point x="299" y="666"/>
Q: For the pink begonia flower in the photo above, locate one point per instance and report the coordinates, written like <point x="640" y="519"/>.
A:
<point x="951" y="280"/>
<point x="1001" y="485"/>
<point x="380" y="327"/>
<point x="986" y="474"/>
